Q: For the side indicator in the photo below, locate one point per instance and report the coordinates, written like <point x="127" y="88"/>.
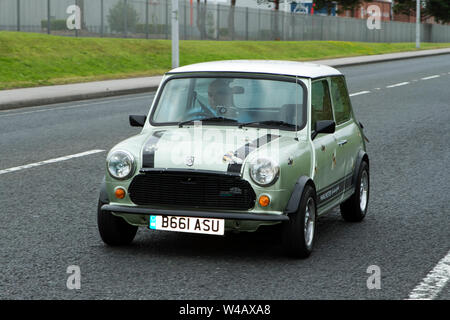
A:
<point x="264" y="201"/>
<point x="119" y="193"/>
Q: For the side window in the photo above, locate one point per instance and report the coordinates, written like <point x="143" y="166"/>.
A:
<point x="341" y="100"/>
<point x="320" y="102"/>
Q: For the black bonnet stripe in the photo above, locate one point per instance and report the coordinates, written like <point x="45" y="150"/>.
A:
<point x="148" y="154"/>
<point x="245" y="150"/>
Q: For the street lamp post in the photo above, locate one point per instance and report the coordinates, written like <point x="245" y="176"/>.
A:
<point x="175" y="35"/>
<point x="417" y="24"/>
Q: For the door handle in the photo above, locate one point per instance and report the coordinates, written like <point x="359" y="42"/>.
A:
<point x="342" y="142"/>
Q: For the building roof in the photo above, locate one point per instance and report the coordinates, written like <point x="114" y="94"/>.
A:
<point x="291" y="68"/>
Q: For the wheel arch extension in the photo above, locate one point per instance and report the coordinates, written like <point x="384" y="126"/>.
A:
<point x="296" y="195"/>
<point x="362" y="157"/>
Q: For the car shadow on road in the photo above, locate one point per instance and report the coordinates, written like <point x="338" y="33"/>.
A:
<point x="263" y="244"/>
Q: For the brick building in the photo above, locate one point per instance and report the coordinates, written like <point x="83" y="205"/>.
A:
<point x="362" y="12"/>
<point x="387" y="13"/>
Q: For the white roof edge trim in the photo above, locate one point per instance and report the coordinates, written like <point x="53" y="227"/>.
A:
<point x="275" y="67"/>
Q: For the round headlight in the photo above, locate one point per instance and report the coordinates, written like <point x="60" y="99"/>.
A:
<point x="264" y="172"/>
<point x="120" y="165"/>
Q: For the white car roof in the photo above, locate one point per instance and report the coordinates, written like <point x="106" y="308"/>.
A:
<point x="291" y="68"/>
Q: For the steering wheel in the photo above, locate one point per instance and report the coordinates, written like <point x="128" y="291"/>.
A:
<point x="227" y="111"/>
<point x="198" y="115"/>
<point x="205" y="111"/>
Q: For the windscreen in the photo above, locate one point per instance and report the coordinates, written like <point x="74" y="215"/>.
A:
<point x="241" y="99"/>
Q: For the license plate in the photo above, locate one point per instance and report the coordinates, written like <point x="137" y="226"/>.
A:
<point x="188" y="224"/>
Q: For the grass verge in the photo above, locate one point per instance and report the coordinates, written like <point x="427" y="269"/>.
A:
<point x="31" y="59"/>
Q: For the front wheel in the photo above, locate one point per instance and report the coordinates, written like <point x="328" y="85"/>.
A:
<point x="114" y="231"/>
<point x="354" y="209"/>
<point x="298" y="233"/>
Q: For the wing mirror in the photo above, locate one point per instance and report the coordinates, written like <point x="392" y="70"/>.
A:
<point x="137" y="120"/>
<point x="323" y="126"/>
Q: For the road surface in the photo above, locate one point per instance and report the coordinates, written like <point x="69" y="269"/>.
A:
<point x="48" y="211"/>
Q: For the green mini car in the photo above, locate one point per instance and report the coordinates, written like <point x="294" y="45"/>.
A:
<point x="234" y="145"/>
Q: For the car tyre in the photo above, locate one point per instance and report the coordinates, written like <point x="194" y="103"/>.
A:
<point x="354" y="209"/>
<point x="298" y="234"/>
<point x="114" y="231"/>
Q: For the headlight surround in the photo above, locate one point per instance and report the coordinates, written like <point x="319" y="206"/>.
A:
<point x="120" y="164"/>
<point x="264" y="172"/>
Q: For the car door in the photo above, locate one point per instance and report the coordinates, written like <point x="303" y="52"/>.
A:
<point x="328" y="171"/>
<point x="347" y="133"/>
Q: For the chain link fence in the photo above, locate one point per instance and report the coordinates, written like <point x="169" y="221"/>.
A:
<point x="151" y="20"/>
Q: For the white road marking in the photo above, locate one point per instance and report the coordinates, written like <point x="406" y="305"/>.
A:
<point x="398" y="84"/>
<point x="36" y="164"/>
<point x="430" y="77"/>
<point x="434" y="282"/>
<point x="358" y="93"/>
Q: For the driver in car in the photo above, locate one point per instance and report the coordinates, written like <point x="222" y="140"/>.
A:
<point x="220" y="99"/>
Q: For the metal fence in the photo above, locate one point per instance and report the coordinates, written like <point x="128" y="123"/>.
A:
<point x="151" y="19"/>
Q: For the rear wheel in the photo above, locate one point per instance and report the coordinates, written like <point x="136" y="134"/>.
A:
<point x="114" y="231"/>
<point x="298" y="233"/>
<point x="354" y="209"/>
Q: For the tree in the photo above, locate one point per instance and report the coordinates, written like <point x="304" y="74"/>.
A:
<point x="201" y="19"/>
<point x="116" y="17"/>
<point x="408" y="8"/>
<point x="439" y="9"/>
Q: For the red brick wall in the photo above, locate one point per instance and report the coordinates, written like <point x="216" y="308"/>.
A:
<point x="412" y="18"/>
<point x="361" y="12"/>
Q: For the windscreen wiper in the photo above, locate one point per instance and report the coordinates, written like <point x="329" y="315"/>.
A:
<point x="212" y="119"/>
<point x="218" y="119"/>
<point x="268" y="122"/>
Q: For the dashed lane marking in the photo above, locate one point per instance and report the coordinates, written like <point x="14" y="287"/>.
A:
<point x="434" y="282"/>
<point x="430" y="77"/>
<point x="358" y="93"/>
<point x="37" y="164"/>
<point x="398" y="84"/>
